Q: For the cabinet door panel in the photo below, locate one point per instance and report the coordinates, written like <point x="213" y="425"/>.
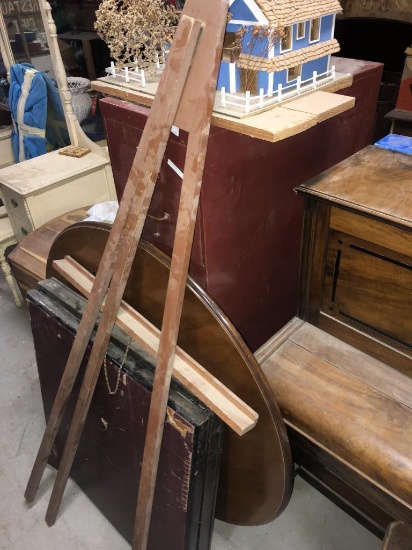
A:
<point x="371" y="286"/>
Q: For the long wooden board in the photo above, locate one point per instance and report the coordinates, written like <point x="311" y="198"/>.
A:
<point x="195" y="117"/>
<point x="223" y="402"/>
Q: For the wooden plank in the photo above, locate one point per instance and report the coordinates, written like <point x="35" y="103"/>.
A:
<point x="275" y="125"/>
<point x="33" y="255"/>
<point x="323" y="105"/>
<point x="359" y="423"/>
<point x="269" y="347"/>
<point x="223" y="402"/>
<point x="195" y="116"/>
<point x="364" y="367"/>
<point x="137" y="195"/>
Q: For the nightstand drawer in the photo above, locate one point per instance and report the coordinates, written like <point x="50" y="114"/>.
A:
<point x="22" y="226"/>
<point x="15" y="204"/>
<point x="55" y="200"/>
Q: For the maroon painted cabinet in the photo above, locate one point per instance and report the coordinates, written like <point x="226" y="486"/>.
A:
<point x="247" y="240"/>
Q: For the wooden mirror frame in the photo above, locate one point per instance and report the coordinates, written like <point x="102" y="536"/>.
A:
<point x="5" y="48"/>
<point x="76" y="134"/>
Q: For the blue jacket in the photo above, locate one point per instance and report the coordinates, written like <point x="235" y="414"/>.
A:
<point x="37" y="113"/>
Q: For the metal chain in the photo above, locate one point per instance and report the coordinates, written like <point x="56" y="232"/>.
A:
<point x="113" y="392"/>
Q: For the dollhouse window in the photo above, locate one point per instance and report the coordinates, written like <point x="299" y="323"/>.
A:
<point x="315" y="29"/>
<point x="286" y="43"/>
<point x="231" y="48"/>
<point x="294" y="72"/>
<point x="300" y="33"/>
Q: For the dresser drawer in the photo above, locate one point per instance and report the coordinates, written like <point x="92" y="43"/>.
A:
<point x="55" y="200"/>
<point x="22" y="226"/>
<point x="19" y="215"/>
<point x="14" y="203"/>
<point x="373" y="231"/>
<point x="6" y="151"/>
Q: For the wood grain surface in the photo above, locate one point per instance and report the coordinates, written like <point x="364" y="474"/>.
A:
<point x="349" y="409"/>
<point x="323" y="105"/>
<point x="374" y="181"/>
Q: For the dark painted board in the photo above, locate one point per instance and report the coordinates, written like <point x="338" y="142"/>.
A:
<point x="107" y="464"/>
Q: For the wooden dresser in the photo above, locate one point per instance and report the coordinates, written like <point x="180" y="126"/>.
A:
<point x="342" y="369"/>
<point x="44" y="187"/>
<point x="356" y="275"/>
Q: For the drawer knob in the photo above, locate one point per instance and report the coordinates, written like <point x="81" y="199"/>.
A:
<point x="14" y="203"/>
<point x="24" y="230"/>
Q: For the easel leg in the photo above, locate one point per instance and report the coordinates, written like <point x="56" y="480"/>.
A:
<point x="118" y="258"/>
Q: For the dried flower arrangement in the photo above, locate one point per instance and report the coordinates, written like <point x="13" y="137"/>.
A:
<point x="254" y="46"/>
<point x="136" y="30"/>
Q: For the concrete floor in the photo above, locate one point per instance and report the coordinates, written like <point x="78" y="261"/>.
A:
<point x="310" y="522"/>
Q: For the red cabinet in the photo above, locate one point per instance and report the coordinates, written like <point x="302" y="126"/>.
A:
<point x="247" y="241"/>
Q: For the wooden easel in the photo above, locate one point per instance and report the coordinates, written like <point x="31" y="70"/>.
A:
<point x="184" y="98"/>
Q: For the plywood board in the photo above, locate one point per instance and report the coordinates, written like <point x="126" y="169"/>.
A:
<point x="323" y="105"/>
<point x="274" y="125"/>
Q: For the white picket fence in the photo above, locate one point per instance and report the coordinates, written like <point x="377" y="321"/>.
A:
<point x="127" y="73"/>
<point x="132" y="72"/>
<point x="249" y="103"/>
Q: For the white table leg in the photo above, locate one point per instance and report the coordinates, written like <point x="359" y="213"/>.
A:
<point x="9" y="277"/>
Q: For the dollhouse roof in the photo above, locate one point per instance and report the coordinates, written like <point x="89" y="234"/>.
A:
<point x="289" y="59"/>
<point x="286" y="12"/>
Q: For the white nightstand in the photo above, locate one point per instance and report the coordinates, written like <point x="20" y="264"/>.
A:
<point x="39" y="189"/>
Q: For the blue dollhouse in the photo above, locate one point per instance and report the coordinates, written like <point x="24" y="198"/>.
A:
<point x="272" y="46"/>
